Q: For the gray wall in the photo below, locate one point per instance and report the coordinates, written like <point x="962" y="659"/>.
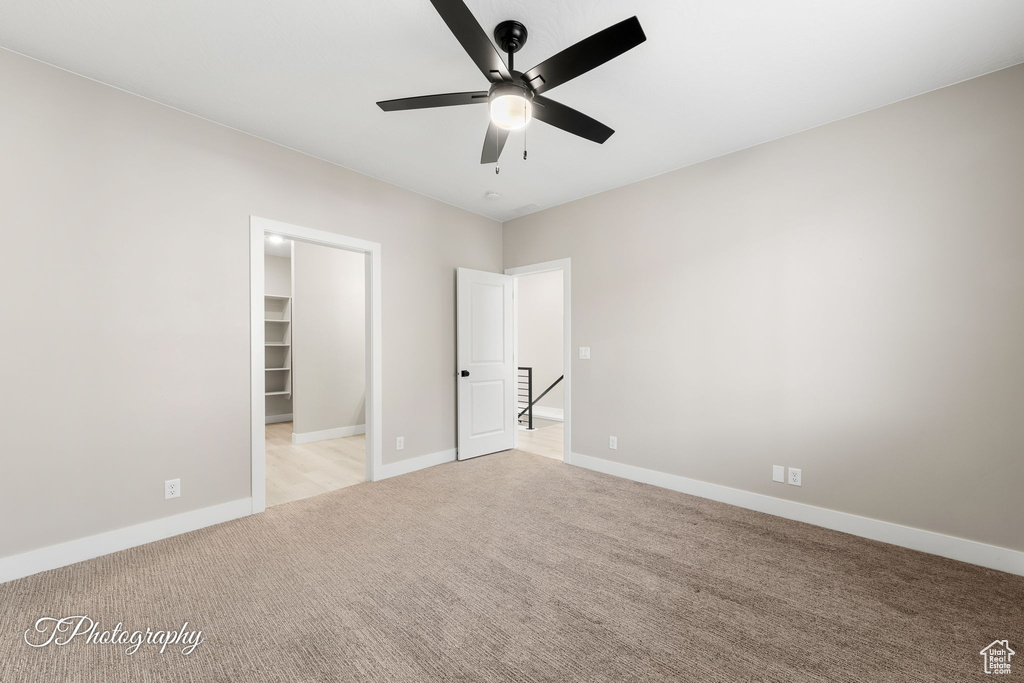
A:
<point x="539" y="331"/>
<point x="125" y="264"/>
<point x="328" y="339"/>
<point x="277" y="274"/>
<point x="848" y="300"/>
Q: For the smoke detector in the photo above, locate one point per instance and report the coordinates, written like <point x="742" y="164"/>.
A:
<point x="492" y="196"/>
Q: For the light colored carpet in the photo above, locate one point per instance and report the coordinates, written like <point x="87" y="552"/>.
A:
<point x="515" y="567"/>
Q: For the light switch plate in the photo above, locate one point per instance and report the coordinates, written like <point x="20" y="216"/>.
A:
<point x="584" y="353"/>
<point x="779" y="473"/>
<point x="794" y="477"/>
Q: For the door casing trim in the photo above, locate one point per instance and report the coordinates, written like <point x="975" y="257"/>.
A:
<point x="564" y="265"/>
<point x="258" y="227"/>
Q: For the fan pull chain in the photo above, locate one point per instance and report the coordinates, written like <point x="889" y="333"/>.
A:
<point x="524" y="131"/>
<point x="497" y="154"/>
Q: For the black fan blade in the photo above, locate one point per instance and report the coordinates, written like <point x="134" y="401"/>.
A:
<point x="571" y="121"/>
<point x="427" y="101"/>
<point x="474" y="41"/>
<point x="494" y="142"/>
<point x="585" y="55"/>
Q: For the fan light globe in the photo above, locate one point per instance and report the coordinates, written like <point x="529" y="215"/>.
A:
<point x="511" y="112"/>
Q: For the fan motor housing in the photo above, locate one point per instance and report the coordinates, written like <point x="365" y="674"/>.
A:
<point x="501" y="89"/>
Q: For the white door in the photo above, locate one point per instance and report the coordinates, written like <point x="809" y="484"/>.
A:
<point x="485" y="363"/>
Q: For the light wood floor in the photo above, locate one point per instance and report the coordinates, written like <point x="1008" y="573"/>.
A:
<point x="295" y="472"/>
<point x="546" y="440"/>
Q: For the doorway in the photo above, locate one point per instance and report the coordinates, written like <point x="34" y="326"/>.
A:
<point x="542" y="349"/>
<point x="315" y="374"/>
<point x="316" y="361"/>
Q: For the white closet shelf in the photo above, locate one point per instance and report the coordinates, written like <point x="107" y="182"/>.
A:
<point x="277" y="317"/>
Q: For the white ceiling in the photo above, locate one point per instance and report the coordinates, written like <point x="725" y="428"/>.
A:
<point x="713" y="77"/>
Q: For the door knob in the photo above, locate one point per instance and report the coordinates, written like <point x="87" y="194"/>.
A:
<point x="465" y="373"/>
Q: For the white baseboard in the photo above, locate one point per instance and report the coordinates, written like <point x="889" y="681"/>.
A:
<point x="324" y="434"/>
<point x="991" y="556"/>
<point x="273" y="419"/>
<point x="393" y="469"/>
<point x="543" y="412"/>
<point x="81" y="549"/>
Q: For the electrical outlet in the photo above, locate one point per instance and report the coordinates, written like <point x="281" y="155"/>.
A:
<point x="584" y="353"/>
<point x="172" y="489"/>
<point x="613" y="442"/>
<point x="400" y="443"/>
<point x="779" y="473"/>
<point x="794" y="477"/>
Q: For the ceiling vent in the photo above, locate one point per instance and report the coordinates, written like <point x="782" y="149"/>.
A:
<point x="525" y="209"/>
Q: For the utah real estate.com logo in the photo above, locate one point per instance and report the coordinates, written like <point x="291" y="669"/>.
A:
<point x="997" y="657"/>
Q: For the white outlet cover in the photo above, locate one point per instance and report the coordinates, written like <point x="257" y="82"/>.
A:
<point x="795" y="477"/>
<point x="613" y="442"/>
<point x="779" y="473"/>
<point x="172" y="489"/>
<point x="584" y="353"/>
<point x="400" y="443"/>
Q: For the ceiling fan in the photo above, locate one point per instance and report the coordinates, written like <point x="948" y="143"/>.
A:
<point x="515" y="97"/>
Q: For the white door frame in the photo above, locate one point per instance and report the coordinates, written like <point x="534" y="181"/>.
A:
<point x="258" y="227"/>
<point x="564" y="265"/>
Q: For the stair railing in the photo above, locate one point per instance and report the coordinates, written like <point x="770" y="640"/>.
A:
<point x="525" y="394"/>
